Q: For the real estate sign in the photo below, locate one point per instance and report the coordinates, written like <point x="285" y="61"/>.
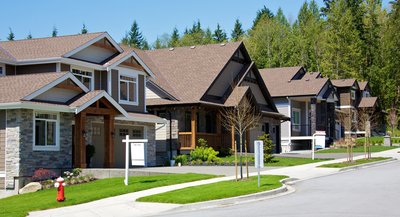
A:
<point x="258" y="154"/>
<point x="137" y="154"/>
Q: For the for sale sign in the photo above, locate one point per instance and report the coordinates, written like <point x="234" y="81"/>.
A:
<point x="258" y="154"/>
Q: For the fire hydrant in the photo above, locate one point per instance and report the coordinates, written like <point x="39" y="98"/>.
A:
<point x="60" y="185"/>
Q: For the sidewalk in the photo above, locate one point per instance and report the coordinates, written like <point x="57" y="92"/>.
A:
<point x="124" y="205"/>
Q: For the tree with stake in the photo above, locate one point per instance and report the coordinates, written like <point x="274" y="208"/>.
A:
<point x="344" y="118"/>
<point x="241" y="118"/>
<point x="367" y="120"/>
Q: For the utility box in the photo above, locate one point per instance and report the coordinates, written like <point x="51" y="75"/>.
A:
<point x="387" y="141"/>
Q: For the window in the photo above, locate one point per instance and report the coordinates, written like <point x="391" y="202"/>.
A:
<point x="2" y="70"/>
<point x="137" y="133"/>
<point x="128" y="89"/>
<point x="188" y="122"/>
<point x="84" y="76"/>
<point x="353" y="94"/>
<point x="123" y="132"/>
<point x="296" y="119"/>
<point x="46" y="131"/>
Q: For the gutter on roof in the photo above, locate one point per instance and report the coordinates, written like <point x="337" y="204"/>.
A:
<point x="276" y="115"/>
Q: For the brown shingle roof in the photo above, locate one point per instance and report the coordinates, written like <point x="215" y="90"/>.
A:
<point x="368" y="102"/>
<point x="362" y="84"/>
<point x="279" y="84"/>
<point x="4" y="55"/>
<point x="191" y="70"/>
<point x="41" y="48"/>
<point x="283" y="73"/>
<point x="343" y="82"/>
<point x="236" y="96"/>
<point x="85" y="98"/>
<point x="311" y="75"/>
<point x="15" y="88"/>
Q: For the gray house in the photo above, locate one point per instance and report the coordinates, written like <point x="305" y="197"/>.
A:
<point x="60" y="94"/>
<point x="308" y="99"/>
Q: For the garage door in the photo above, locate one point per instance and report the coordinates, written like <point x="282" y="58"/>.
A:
<point x="135" y="132"/>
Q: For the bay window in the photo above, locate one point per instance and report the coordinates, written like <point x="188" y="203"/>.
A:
<point x="46" y="128"/>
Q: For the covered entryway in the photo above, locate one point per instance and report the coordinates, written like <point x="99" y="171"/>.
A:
<point x="107" y="111"/>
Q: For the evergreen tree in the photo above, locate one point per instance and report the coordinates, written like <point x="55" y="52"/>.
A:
<point x="208" y="37"/>
<point x="262" y="13"/>
<point x="237" y="32"/>
<point x="174" y="41"/>
<point x="145" y="45"/>
<point x="54" y="32"/>
<point x="219" y="34"/>
<point x="134" y="37"/>
<point x="29" y="36"/>
<point x="193" y="36"/>
<point x="11" y="35"/>
<point x="84" y="29"/>
<point x="157" y="44"/>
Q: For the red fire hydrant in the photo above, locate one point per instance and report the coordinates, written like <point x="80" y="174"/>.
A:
<point x="60" y="185"/>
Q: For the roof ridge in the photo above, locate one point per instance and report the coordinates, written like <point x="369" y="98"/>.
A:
<point x="43" y="38"/>
<point x="199" y="45"/>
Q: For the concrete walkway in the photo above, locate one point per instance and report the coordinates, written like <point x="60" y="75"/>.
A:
<point x="124" y="205"/>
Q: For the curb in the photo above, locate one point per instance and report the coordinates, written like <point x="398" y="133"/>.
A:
<point x="284" y="189"/>
<point x="366" y="165"/>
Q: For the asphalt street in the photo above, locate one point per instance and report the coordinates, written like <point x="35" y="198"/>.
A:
<point x="368" y="192"/>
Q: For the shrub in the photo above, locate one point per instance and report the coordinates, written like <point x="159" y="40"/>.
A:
<point x="183" y="159"/>
<point x="268" y="147"/>
<point x="225" y="152"/>
<point x="43" y="174"/>
<point x="204" y="153"/>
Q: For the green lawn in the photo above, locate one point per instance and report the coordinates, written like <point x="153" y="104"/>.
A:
<point x="219" y="190"/>
<point x="357" y="162"/>
<point x="20" y="205"/>
<point x="279" y="161"/>
<point x="357" y="149"/>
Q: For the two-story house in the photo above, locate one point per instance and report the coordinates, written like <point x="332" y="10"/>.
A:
<point x="193" y="84"/>
<point x="308" y="99"/>
<point x="60" y="94"/>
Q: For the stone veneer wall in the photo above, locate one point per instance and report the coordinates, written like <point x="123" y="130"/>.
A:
<point x="21" y="160"/>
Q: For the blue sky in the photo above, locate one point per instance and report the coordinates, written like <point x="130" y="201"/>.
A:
<point x="154" y="17"/>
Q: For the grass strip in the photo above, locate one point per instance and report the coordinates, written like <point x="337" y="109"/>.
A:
<point x="279" y="161"/>
<point x="359" y="149"/>
<point x="20" y="205"/>
<point x="218" y="190"/>
<point x="354" y="163"/>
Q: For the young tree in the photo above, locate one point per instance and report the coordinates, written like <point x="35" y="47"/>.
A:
<point x="237" y="32"/>
<point x="54" y="32"/>
<point x="241" y="118"/>
<point x="219" y="34"/>
<point x="174" y="41"/>
<point x="344" y="118"/>
<point x="11" y="35"/>
<point x="84" y="29"/>
<point x="392" y="119"/>
<point x="367" y="120"/>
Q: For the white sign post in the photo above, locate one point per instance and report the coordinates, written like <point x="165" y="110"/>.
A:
<point x="318" y="139"/>
<point x="258" y="157"/>
<point x="138" y="154"/>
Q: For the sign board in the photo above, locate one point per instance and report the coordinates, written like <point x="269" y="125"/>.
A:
<point x="320" y="139"/>
<point x="258" y="154"/>
<point x="138" y="154"/>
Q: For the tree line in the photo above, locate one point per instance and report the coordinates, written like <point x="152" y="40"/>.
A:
<point x="342" y="39"/>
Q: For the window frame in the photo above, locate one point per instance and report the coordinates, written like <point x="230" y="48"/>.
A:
<point x="296" y="126"/>
<point x="136" y="89"/>
<point x="3" y="69"/>
<point x="46" y="147"/>
<point x="84" y="76"/>
<point x="353" y="94"/>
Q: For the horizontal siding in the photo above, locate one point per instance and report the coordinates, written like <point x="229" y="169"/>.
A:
<point x="2" y="183"/>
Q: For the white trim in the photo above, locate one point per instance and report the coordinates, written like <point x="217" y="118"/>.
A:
<point x="36" y="106"/>
<point x="84" y="69"/>
<point x="145" y="94"/>
<point x="46" y="148"/>
<point x="134" y="55"/>
<point x="345" y="106"/>
<point x="130" y="75"/>
<point x="156" y="120"/>
<point x="97" y="97"/>
<point x="87" y="44"/>
<point x="82" y="63"/>
<point x="290" y="122"/>
<point x="299" y="124"/>
<point x="109" y="90"/>
<point x="307" y="117"/>
<point x="38" y="61"/>
<point x="54" y="83"/>
<point x="58" y="67"/>
<point x="3" y="72"/>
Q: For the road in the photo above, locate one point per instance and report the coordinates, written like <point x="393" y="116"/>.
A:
<point x="369" y="192"/>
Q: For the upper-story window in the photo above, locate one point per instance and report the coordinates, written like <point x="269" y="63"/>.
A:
<point x="85" y="76"/>
<point x="353" y="94"/>
<point x="366" y="93"/>
<point x="128" y="88"/>
<point x="2" y="69"/>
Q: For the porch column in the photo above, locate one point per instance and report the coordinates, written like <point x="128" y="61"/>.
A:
<point x="313" y="115"/>
<point x="108" y="141"/>
<point x="193" y="127"/>
<point x="80" y="148"/>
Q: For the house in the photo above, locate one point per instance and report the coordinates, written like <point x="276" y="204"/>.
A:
<point x="308" y="99"/>
<point x="60" y="94"/>
<point x="193" y="84"/>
